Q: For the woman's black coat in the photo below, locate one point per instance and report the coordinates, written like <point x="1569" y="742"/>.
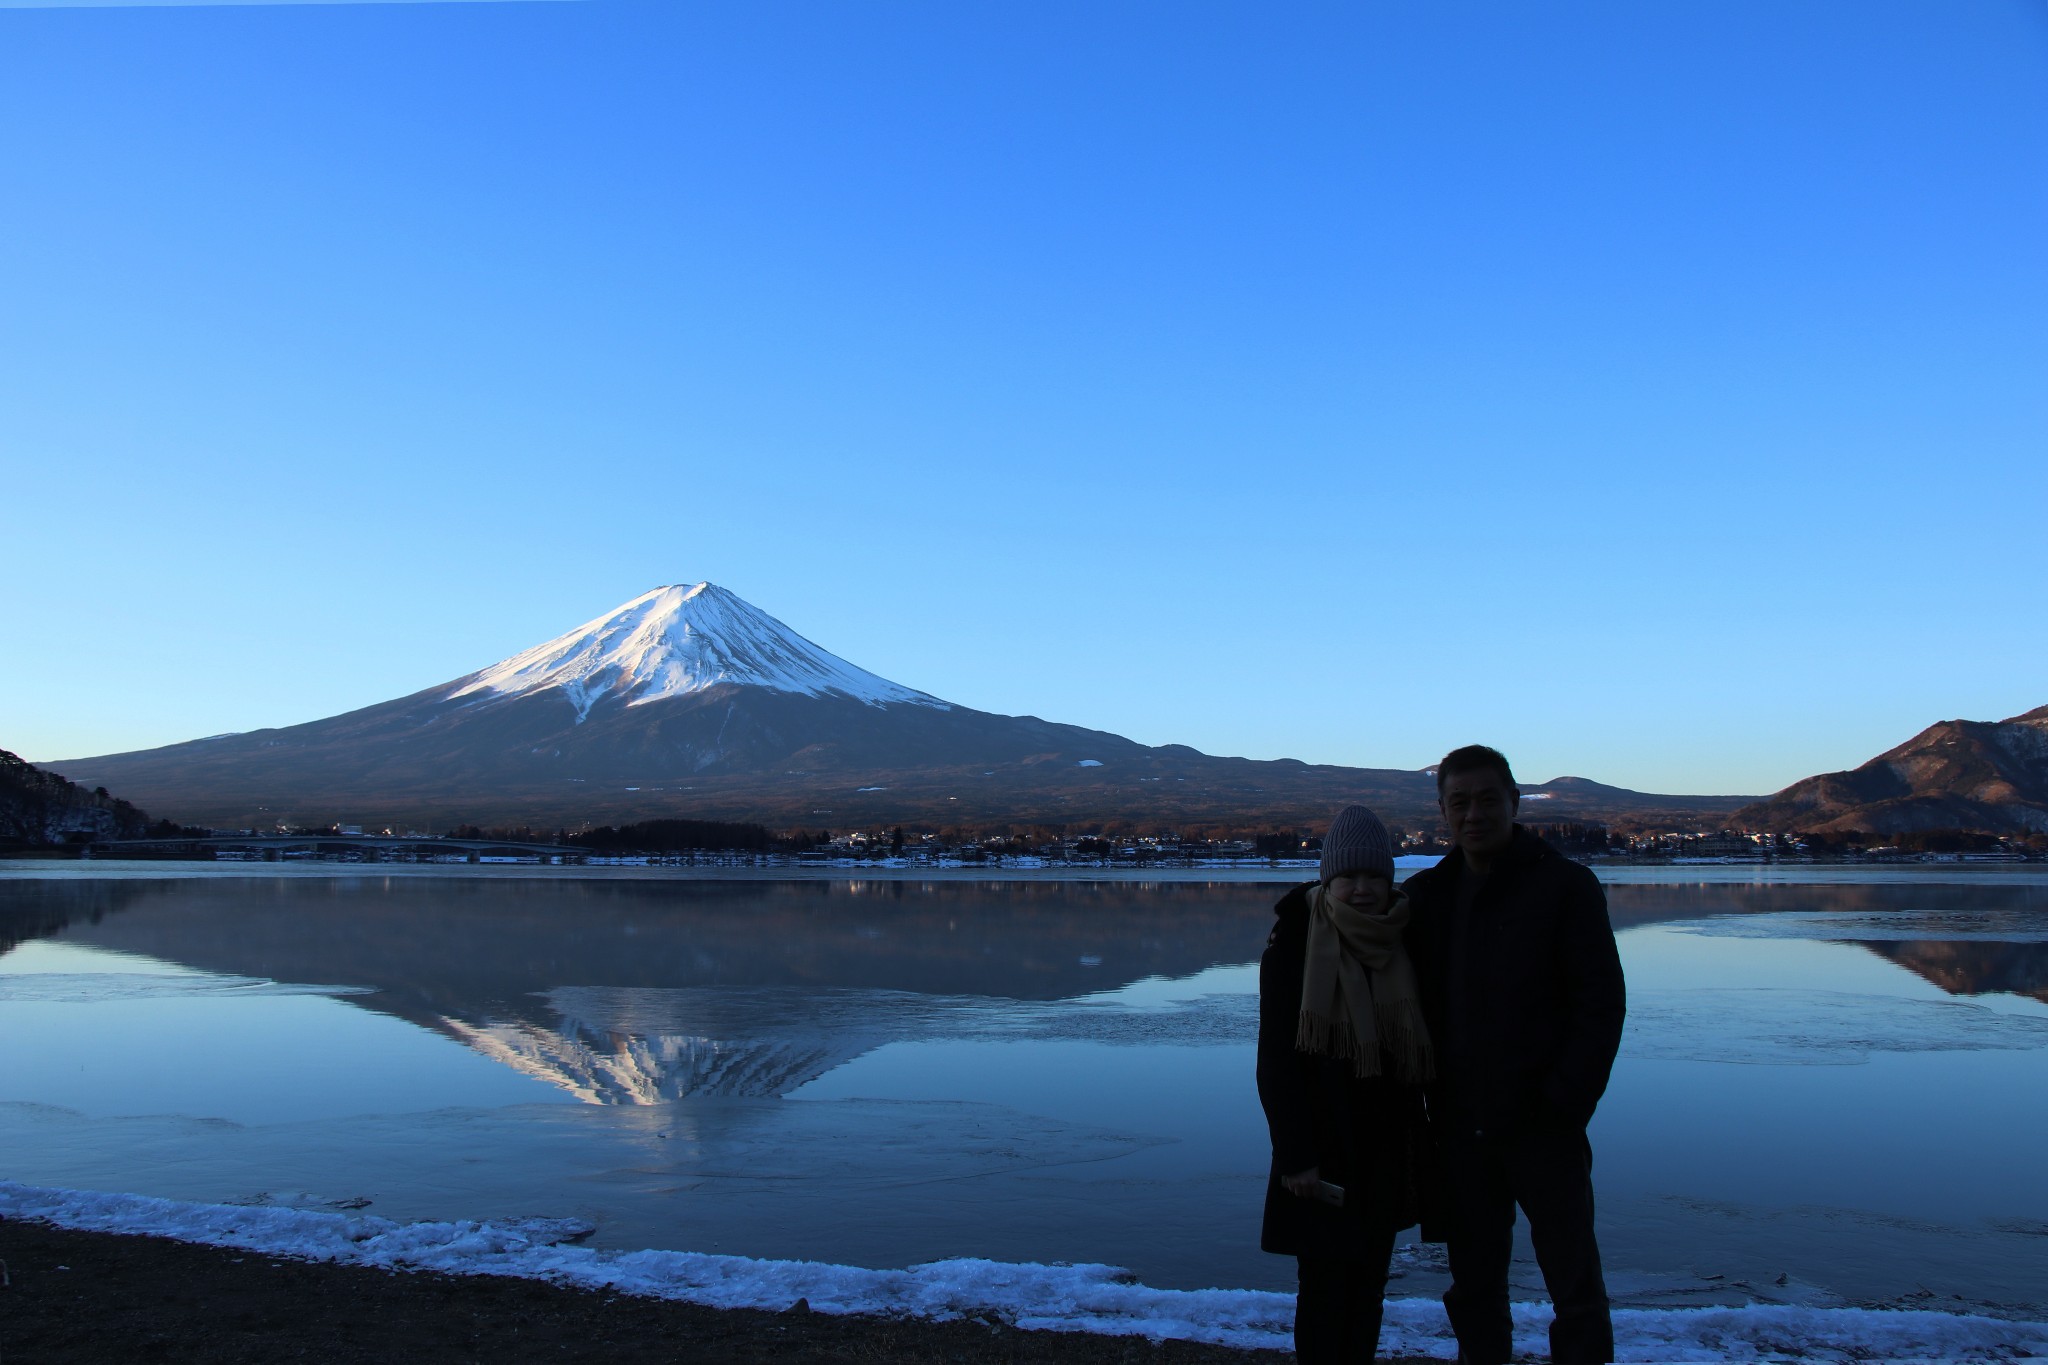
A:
<point x="1366" y="1135"/>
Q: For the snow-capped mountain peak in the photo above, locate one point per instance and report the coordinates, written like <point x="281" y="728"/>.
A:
<point x="676" y="640"/>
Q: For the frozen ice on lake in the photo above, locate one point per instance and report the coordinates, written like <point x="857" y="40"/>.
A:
<point x="1785" y="1027"/>
<point x="1067" y="1297"/>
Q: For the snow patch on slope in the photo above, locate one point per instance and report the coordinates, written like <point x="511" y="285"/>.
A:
<point x="674" y="641"/>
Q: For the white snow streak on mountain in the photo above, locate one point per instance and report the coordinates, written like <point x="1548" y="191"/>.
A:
<point x="674" y="641"/>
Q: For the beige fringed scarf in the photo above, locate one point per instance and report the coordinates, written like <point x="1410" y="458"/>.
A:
<point x="1358" y="993"/>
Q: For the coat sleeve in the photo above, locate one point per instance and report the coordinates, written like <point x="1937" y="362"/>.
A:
<point x="1595" y="999"/>
<point x="1283" y="1082"/>
<point x="1421" y="938"/>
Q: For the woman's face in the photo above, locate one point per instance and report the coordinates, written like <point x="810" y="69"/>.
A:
<point x="1366" y="892"/>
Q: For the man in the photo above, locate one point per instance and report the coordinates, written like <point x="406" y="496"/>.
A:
<point x="1523" y="993"/>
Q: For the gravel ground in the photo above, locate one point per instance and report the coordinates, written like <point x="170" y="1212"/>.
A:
<point x="88" y="1296"/>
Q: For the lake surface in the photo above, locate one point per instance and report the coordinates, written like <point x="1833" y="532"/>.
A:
<point x="1832" y="1088"/>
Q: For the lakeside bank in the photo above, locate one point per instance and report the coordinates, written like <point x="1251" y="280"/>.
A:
<point x="163" y="1278"/>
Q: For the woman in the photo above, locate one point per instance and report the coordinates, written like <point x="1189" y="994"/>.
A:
<point x="1343" y="1054"/>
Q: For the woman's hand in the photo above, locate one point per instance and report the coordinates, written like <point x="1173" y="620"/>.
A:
<point x="1302" y="1183"/>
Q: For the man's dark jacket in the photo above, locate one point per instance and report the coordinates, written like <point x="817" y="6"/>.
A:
<point x="1523" y="991"/>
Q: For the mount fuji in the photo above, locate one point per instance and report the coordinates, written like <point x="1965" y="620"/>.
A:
<point x="676" y="641"/>
<point x="690" y="702"/>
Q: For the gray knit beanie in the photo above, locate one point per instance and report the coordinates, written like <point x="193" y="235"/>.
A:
<point x="1357" y="842"/>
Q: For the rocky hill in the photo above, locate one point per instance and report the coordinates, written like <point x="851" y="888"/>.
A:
<point x="1988" y="777"/>
<point x="42" y="810"/>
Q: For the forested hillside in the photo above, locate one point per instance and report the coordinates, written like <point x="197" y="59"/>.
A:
<point x="42" y="810"/>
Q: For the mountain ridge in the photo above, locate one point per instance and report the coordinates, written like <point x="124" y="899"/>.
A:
<point x="1986" y="777"/>
<point x="691" y="702"/>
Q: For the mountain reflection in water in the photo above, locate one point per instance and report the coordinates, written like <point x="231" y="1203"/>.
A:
<point x="645" y="992"/>
<point x="887" y="1073"/>
<point x="1973" y="967"/>
<point x="641" y="992"/>
<point x="1968" y="939"/>
<point x="1886" y="908"/>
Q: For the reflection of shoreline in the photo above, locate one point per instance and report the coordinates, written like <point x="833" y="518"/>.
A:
<point x="41" y="909"/>
<point x="753" y="989"/>
<point x="730" y="989"/>
<point x="1967" y="898"/>
<point x="475" y="948"/>
<point x="1971" y="967"/>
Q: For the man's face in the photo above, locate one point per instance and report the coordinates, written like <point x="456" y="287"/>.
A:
<point x="1479" y="806"/>
<point x="1365" y="892"/>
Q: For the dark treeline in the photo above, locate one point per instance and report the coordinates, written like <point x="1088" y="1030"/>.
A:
<point x="675" y="836"/>
<point x="1574" y="839"/>
<point x="511" y="834"/>
<point x="648" y="836"/>
<point x="42" y="810"/>
<point x="1923" y="841"/>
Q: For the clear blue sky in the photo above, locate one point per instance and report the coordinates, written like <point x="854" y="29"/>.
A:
<point x="1657" y="391"/>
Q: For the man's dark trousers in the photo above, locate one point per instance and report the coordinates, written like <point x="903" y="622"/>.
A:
<point x="1549" y="1174"/>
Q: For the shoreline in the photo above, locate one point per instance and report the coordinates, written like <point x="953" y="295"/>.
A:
<point x="89" y="1296"/>
<point x="1613" y="874"/>
<point x="211" y="1282"/>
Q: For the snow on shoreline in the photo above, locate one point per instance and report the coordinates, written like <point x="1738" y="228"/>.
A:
<point x="1084" y="1298"/>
